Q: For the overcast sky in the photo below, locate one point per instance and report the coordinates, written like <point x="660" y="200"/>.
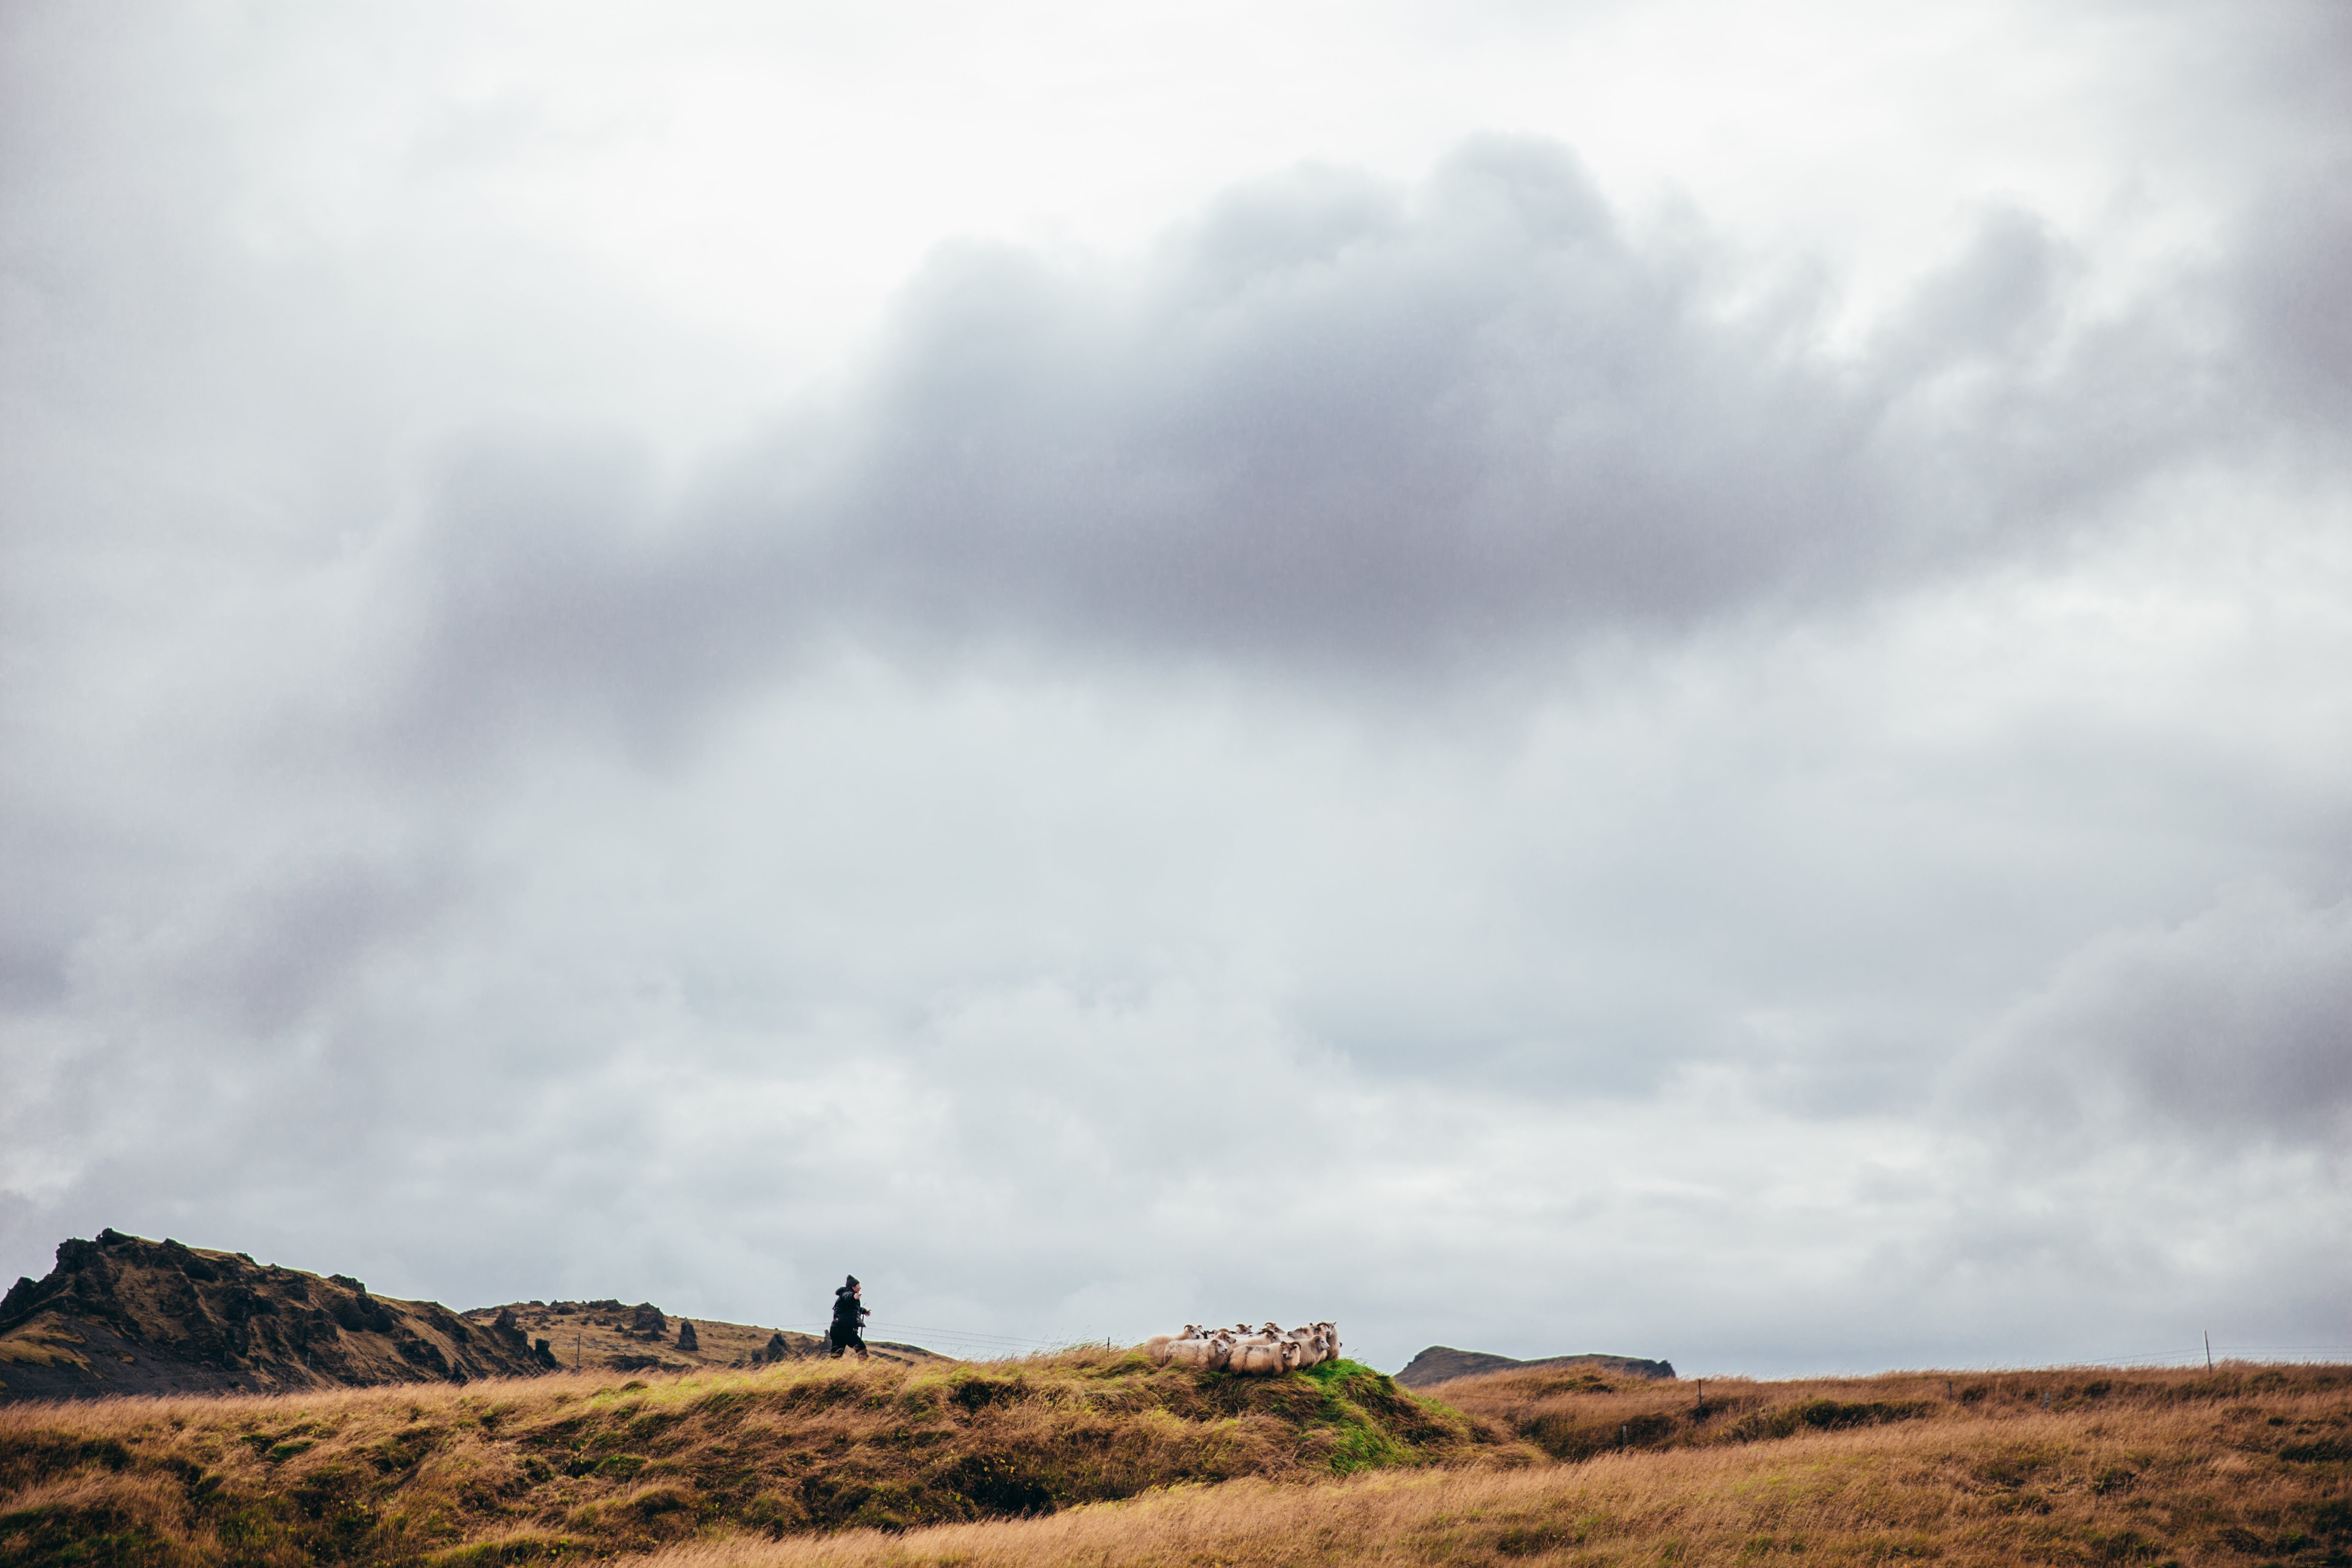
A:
<point x="1668" y="678"/>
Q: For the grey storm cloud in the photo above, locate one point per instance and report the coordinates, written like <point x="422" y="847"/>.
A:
<point x="1333" y="422"/>
<point x="2295" y="300"/>
<point x="2236" y="1023"/>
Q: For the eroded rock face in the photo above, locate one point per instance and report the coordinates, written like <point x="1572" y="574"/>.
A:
<point x="121" y="1314"/>
<point x="648" y="1322"/>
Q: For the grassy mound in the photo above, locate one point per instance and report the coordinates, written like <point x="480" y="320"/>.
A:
<point x="531" y="1469"/>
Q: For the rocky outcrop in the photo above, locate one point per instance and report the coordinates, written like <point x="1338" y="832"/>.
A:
<point x="122" y="1314"/>
<point x="1443" y="1364"/>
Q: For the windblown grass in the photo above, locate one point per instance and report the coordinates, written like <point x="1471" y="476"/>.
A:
<point x="2247" y="1466"/>
<point x="1096" y="1457"/>
<point x="591" y="1465"/>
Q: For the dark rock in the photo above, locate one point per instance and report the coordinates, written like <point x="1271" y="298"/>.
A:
<point x="176" y="1255"/>
<point x="363" y="1314"/>
<point x="648" y="1322"/>
<point x="347" y="1283"/>
<point x="686" y="1340"/>
<point x="419" y="1352"/>
<point x="22" y="1296"/>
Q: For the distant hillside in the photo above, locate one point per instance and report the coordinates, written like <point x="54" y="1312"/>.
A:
<point x="125" y="1315"/>
<point x="1443" y="1364"/>
<point x="608" y="1335"/>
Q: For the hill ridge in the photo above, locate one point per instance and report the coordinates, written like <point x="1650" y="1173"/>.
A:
<point x="1443" y="1363"/>
<point x="122" y="1314"/>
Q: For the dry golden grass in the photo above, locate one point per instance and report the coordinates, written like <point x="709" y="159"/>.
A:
<point x="592" y="1465"/>
<point x="840" y="1464"/>
<point x="2252" y="1464"/>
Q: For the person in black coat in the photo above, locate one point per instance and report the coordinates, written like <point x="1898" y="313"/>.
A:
<point x="849" y="1317"/>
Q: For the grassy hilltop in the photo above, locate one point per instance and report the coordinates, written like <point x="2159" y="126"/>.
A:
<point x="1095" y="1458"/>
<point x="591" y="1465"/>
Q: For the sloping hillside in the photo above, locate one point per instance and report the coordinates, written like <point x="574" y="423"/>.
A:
<point x="1443" y="1363"/>
<point x="511" y="1470"/>
<point x="125" y="1315"/>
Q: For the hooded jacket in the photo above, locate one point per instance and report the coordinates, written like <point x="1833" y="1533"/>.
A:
<point x="848" y="1315"/>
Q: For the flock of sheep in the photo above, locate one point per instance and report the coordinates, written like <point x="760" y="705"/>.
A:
<point x="1260" y="1353"/>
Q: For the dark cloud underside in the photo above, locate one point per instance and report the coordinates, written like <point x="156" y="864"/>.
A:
<point x="1334" y="424"/>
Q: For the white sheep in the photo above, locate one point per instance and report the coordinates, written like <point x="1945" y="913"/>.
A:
<point x="1157" y="1346"/>
<point x="1262" y="1351"/>
<point x="1264" y="1354"/>
<point x="1203" y="1353"/>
